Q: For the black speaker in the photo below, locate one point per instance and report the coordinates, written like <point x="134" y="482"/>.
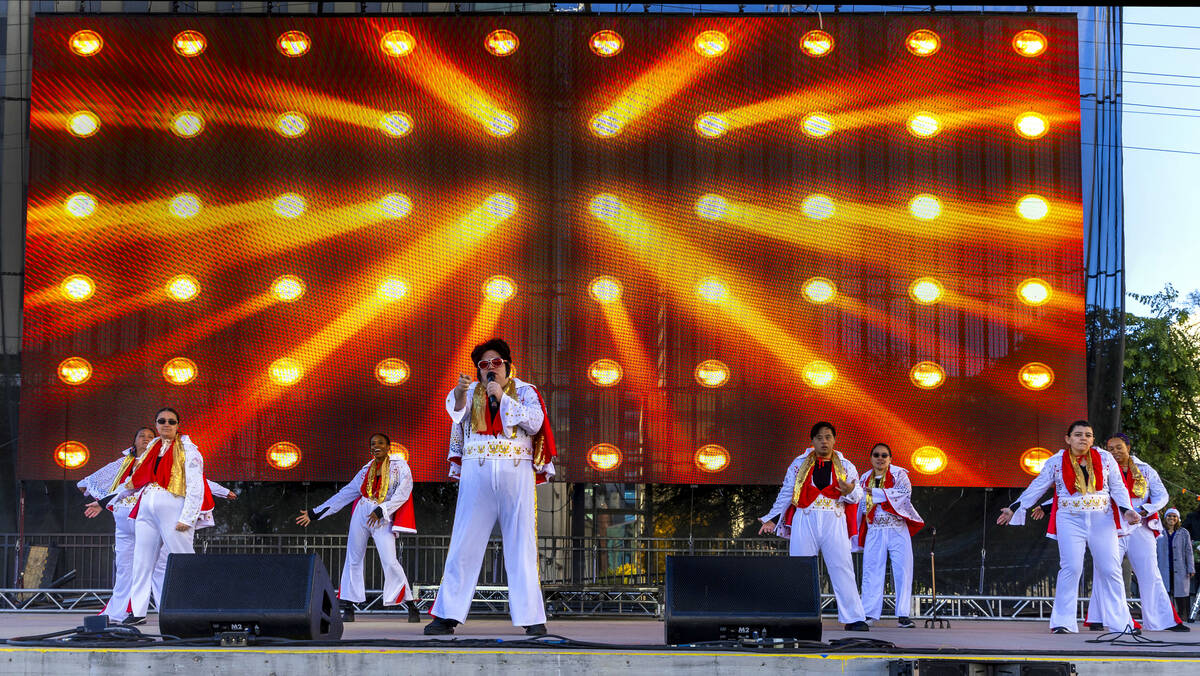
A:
<point x="716" y="598"/>
<point x="283" y="595"/>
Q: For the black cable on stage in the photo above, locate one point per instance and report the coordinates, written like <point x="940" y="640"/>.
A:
<point x="114" y="635"/>
<point x="118" y="636"/>
<point x="1129" y="639"/>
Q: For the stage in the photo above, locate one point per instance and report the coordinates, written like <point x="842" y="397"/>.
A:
<point x="598" y="647"/>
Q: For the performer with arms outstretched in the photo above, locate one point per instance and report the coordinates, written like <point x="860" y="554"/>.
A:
<point x="381" y="493"/>
<point x="819" y="488"/>
<point x="1090" y="499"/>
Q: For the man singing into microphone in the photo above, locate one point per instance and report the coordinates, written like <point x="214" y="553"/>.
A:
<point x="501" y="446"/>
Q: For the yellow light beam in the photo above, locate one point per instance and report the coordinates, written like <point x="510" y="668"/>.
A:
<point x="441" y="78"/>
<point x="654" y="87"/>
<point x="643" y="377"/>
<point x="645" y="239"/>
<point x="423" y="260"/>
<point x="481" y="328"/>
<point x="185" y="336"/>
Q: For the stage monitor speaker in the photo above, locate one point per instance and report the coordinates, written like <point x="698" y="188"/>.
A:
<point x="717" y="598"/>
<point x="282" y="595"/>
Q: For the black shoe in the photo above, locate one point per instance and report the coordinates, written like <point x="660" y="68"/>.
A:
<point x="132" y="621"/>
<point x="1179" y="627"/>
<point x="905" y="623"/>
<point x="858" y="626"/>
<point x="440" y="627"/>
<point x="1059" y="630"/>
<point x="535" y="630"/>
<point x="414" y="613"/>
<point x="347" y="611"/>
<point x="1095" y="626"/>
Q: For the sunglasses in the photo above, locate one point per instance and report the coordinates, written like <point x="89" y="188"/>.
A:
<point x="880" y="455"/>
<point x="165" y="421"/>
<point x="494" y="363"/>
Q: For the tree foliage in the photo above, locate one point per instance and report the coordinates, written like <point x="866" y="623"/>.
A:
<point x="1160" y="407"/>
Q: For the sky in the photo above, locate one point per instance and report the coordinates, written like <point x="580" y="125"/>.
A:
<point x="1162" y="189"/>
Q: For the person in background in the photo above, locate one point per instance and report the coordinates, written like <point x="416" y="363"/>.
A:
<point x="1175" y="561"/>
<point x="887" y="522"/>
<point x="381" y="493"/>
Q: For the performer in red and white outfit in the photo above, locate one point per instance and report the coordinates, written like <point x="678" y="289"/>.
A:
<point x="887" y="523"/>
<point x="1148" y="495"/>
<point x="1090" y="499"/>
<point x="102" y="485"/>
<point x="501" y="447"/>
<point x="381" y="493"/>
<point x="819" y="507"/>
<point x="99" y="485"/>
<point x="173" y="501"/>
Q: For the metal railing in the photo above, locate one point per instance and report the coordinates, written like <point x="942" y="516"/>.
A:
<point x="600" y="575"/>
<point x="645" y="602"/>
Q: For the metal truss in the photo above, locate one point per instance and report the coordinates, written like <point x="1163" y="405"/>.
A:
<point x="53" y="600"/>
<point x="563" y="601"/>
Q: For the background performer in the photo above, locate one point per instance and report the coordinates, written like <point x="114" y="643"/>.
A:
<point x="1148" y="495"/>
<point x="888" y="522"/>
<point x="1090" y="496"/>
<point x="381" y="491"/>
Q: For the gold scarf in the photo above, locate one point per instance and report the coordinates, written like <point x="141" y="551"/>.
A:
<point x="479" y="403"/>
<point x="382" y="470"/>
<point x="1140" y="485"/>
<point x="129" y="459"/>
<point x="178" y="484"/>
<point x="1082" y="486"/>
<point x="870" y="502"/>
<point x="802" y="476"/>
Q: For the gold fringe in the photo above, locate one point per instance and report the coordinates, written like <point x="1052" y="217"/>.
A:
<point x="129" y="459"/>
<point x="479" y="401"/>
<point x="806" y="469"/>
<point x="178" y="484"/>
<point x="376" y="468"/>
<point x="1140" y="485"/>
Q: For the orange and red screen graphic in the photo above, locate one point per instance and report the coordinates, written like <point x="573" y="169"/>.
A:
<point x="700" y="235"/>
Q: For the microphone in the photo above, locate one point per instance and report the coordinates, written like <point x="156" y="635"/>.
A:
<point x="492" y="401"/>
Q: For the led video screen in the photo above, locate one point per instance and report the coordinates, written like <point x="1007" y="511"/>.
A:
<point x="700" y="235"/>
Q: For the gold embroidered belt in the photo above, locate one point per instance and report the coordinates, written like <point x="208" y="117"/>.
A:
<point x="885" y="519"/>
<point x="498" y="449"/>
<point x="826" y="503"/>
<point x="1093" y="502"/>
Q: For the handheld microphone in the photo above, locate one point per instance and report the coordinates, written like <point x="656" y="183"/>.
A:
<point x="492" y="401"/>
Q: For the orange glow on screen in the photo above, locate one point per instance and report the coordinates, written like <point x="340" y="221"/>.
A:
<point x="685" y="227"/>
